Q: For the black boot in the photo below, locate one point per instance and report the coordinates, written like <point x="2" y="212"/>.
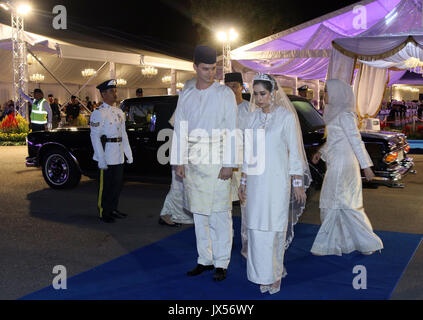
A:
<point x="119" y="215"/>
<point x="199" y="269"/>
<point x="220" y="274"/>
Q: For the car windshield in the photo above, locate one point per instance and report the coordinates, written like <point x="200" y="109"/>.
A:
<point x="309" y="114"/>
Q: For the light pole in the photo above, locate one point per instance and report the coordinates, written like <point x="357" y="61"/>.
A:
<point x="226" y="38"/>
<point x="20" y="67"/>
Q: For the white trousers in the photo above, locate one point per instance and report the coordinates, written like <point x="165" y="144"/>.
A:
<point x="265" y="256"/>
<point x="214" y="238"/>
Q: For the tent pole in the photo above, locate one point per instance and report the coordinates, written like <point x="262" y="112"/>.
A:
<point x="54" y="77"/>
<point x="173" y="81"/>
<point x="88" y="81"/>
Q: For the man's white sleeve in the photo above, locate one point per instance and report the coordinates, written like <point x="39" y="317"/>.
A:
<point x="23" y="95"/>
<point x="96" y="131"/>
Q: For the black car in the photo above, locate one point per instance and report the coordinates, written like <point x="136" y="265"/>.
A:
<point x="66" y="153"/>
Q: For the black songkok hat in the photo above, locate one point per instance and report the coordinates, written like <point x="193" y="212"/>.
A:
<point x="38" y="90"/>
<point x="234" y="77"/>
<point x="107" y="85"/>
<point x="204" y="54"/>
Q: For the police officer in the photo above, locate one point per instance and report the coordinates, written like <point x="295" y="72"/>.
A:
<point x="302" y="91"/>
<point x="41" y="114"/>
<point x="111" y="145"/>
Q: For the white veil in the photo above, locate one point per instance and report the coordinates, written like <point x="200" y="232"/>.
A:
<point x="280" y="99"/>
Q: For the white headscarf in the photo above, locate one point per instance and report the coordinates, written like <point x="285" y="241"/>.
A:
<point x="341" y="99"/>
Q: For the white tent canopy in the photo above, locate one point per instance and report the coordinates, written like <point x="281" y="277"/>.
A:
<point x="66" y="61"/>
<point x="304" y="51"/>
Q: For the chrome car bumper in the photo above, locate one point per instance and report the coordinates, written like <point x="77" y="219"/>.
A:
<point x="393" y="175"/>
<point x="31" y="162"/>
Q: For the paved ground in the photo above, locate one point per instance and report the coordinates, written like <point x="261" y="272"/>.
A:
<point x="41" y="227"/>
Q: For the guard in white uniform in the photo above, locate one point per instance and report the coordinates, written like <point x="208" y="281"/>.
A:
<point x="235" y="82"/>
<point x="111" y="145"/>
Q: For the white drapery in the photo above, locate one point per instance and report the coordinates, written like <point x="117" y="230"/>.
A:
<point x="340" y="67"/>
<point x="376" y="55"/>
<point x="370" y="90"/>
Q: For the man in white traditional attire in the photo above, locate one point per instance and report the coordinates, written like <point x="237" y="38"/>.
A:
<point x="273" y="206"/>
<point x="345" y="226"/>
<point x="204" y="116"/>
<point x="173" y="213"/>
<point x="235" y="82"/>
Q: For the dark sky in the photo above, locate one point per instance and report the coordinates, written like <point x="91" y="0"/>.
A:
<point x="164" y="25"/>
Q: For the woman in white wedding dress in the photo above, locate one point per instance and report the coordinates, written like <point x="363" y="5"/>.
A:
<point x="272" y="205"/>
<point x="345" y="226"/>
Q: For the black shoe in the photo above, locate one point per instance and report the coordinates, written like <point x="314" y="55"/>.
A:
<point x="107" y="219"/>
<point x="199" y="269"/>
<point x="220" y="274"/>
<point x="119" y="215"/>
<point x="164" y="223"/>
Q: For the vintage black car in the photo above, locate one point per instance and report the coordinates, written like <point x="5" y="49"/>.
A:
<point x="65" y="154"/>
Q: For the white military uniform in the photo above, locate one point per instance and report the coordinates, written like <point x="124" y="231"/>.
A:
<point x="206" y="196"/>
<point x="109" y="121"/>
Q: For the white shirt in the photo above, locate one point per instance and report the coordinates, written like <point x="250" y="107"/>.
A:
<point x="210" y="109"/>
<point x="109" y="121"/>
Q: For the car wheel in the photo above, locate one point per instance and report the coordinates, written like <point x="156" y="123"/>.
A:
<point x="59" y="170"/>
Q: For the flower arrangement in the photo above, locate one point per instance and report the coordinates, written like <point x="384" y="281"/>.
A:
<point x="13" y="130"/>
<point x="81" y="121"/>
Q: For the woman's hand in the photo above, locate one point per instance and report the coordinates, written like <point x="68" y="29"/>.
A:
<point x="368" y="172"/>
<point x="242" y="193"/>
<point x="316" y="157"/>
<point x="300" y="195"/>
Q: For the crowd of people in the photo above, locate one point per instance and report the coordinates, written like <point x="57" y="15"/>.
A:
<point x="56" y="114"/>
<point x="272" y="192"/>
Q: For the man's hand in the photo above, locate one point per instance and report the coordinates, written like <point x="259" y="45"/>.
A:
<point x="316" y="157"/>
<point x="225" y="173"/>
<point x="49" y="126"/>
<point x="180" y="171"/>
<point x="368" y="172"/>
<point x="102" y="165"/>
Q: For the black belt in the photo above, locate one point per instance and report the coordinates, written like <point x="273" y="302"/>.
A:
<point x="114" y="139"/>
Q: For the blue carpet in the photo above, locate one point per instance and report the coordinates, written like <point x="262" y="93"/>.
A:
<point x="158" y="272"/>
